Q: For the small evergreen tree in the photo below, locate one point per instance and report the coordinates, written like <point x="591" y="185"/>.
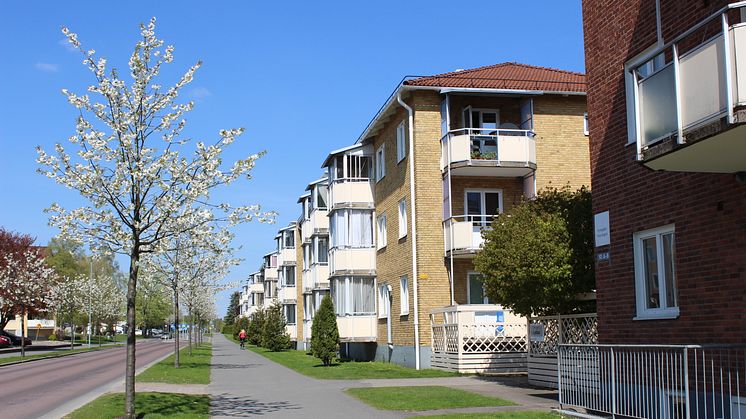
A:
<point x="234" y="308"/>
<point x="256" y="326"/>
<point x="274" y="336"/>
<point x="324" y="332"/>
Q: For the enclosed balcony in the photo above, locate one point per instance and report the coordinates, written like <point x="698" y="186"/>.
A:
<point x="488" y="152"/>
<point x="349" y="260"/>
<point x="350" y="181"/>
<point x="689" y="98"/>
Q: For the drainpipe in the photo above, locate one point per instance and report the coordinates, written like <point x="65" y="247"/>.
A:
<point x="413" y="217"/>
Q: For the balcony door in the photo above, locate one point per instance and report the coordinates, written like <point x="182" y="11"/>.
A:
<point x="481" y="207"/>
<point x="484" y="124"/>
<point x="475" y="290"/>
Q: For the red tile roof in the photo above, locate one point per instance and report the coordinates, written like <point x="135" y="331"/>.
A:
<point x="509" y="76"/>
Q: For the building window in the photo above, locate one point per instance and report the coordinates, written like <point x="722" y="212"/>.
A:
<point x="289" y="242"/>
<point x="402" y="218"/>
<point x="322" y="250"/>
<point x="401" y="142"/>
<point x="585" y="123"/>
<point x="655" y="273"/>
<point x="288" y="273"/>
<point x="380" y="163"/>
<point x="381" y="237"/>
<point x="353" y="296"/>
<point x="404" y="295"/>
<point x="290" y="313"/>
<point x="351" y="228"/>
<point x="383" y="301"/>
<point x="322" y="191"/>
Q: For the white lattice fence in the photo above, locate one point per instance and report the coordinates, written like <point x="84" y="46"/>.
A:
<point x="546" y="333"/>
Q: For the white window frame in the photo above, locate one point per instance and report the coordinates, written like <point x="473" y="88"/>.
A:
<point x="402" y="218"/>
<point x="483" y="201"/>
<point x="585" y="124"/>
<point x="381" y="233"/>
<point x="380" y="163"/>
<point x="401" y="142"/>
<point x="665" y="311"/>
<point x="630" y="89"/>
<point x="485" y="298"/>
<point x="384" y="297"/>
<point x="404" y="295"/>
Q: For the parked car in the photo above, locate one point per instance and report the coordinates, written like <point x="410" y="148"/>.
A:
<point x="5" y="342"/>
<point x="15" y="339"/>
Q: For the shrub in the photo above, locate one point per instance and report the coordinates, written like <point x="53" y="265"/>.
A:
<point x="227" y="330"/>
<point x="52" y="337"/>
<point x="274" y="336"/>
<point x="324" y="332"/>
<point x="256" y="325"/>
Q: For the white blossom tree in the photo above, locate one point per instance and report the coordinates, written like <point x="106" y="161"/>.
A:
<point x="145" y="181"/>
<point x="67" y="298"/>
<point x="25" y="281"/>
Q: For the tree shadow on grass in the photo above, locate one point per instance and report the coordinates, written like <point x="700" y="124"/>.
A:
<point x="232" y="366"/>
<point x="235" y="406"/>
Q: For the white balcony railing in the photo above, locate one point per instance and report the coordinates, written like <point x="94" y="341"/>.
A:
<point x="511" y="148"/>
<point x="358" y="328"/>
<point x="270" y="274"/>
<point x="344" y="260"/>
<point x="691" y="81"/>
<point x="317" y="276"/>
<point x="654" y="381"/>
<point x="351" y="191"/>
<point x="307" y="324"/>
<point x="464" y="232"/>
<point x="287" y="256"/>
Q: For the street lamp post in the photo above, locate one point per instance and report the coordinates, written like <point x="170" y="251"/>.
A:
<point x="90" y="282"/>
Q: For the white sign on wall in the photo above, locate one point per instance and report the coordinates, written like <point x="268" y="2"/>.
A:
<point x="601" y="229"/>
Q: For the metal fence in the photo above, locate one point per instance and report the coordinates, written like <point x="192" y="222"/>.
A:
<point x="654" y="381"/>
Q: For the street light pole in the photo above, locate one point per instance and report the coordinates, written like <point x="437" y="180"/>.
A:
<point x="90" y="282"/>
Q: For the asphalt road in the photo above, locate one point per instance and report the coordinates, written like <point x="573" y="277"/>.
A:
<point x="32" y="389"/>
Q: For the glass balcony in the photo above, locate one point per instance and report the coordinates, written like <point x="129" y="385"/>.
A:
<point x="688" y="99"/>
<point x="463" y="234"/>
<point x="488" y="152"/>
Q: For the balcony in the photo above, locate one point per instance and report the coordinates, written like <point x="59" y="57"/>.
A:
<point x="270" y="274"/>
<point x="488" y="152"/>
<point x="316" y="277"/>
<point x="351" y="192"/>
<point x="352" y="261"/>
<point x="256" y="288"/>
<point x="316" y="224"/>
<point x="478" y="338"/>
<point x="287" y="257"/>
<point x="292" y="331"/>
<point x="689" y="99"/>
<point x="463" y="234"/>
<point x="357" y="328"/>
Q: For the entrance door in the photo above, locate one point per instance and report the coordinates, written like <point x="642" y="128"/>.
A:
<point x="476" y="289"/>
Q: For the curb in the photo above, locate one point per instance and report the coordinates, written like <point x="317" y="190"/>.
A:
<point x="26" y="361"/>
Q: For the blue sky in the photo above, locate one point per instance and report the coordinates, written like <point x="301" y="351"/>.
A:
<point x="302" y="77"/>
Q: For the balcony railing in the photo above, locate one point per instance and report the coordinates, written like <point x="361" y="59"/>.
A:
<point x="463" y="233"/>
<point x="654" y="381"/>
<point x="348" y="260"/>
<point x="358" y="328"/>
<point x="688" y="89"/>
<point x="506" y="152"/>
<point x="354" y="192"/>
<point x="287" y="257"/>
<point x="317" y="276"/>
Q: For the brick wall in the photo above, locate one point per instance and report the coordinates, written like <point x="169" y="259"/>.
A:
<point x="562" y="153"/>
<point x="708" y="210"/>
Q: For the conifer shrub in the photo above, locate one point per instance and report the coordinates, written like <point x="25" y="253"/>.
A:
<point x="324" y="332"/>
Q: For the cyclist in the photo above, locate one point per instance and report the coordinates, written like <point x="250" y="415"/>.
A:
<point x="242" y="337"/>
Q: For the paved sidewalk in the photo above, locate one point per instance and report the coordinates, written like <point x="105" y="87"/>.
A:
<point x="245" y="384"/>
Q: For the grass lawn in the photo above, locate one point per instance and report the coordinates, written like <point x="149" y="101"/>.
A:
<point x="498" y="415"/>
<point x="193" y="369"/>
<point x="423" y="398"/>
<point x="313" y="367"/>
<point x="147" y="405"/>
<point x="57" y="353"/>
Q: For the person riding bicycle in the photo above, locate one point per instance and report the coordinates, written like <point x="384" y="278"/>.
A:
<point x="242" y="337"/>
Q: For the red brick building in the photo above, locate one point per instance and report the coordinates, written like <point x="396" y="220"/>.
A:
<point x="648" y="177"/>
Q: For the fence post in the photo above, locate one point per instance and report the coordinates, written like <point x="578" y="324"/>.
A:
<point x="686" y="382"/>
<point x="613" y="383"/>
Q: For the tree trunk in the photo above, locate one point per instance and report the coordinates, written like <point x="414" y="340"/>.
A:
<point x="190" y="331"/>
<point x="23" y="331"/>
<point x="129" y="381"/>
<point x="176" y="327"/>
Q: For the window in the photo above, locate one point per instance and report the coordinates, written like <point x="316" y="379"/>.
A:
<point x="401" y="142"/>
<point x="475" y="291"/>
<point x="380" y="163"/>
<point x="321" y="250"/>
<point x="629" y="82"/>
<point x="289" y="242"/>
<point x="288" y="273"/>
<point x="290" y="313"/>
<point x="402" y="218"/>
<point x="381" y="236"/>
<point x="322" y="191"/>
<point x="585" y="123"/>
<point x="350" y="228"/>
<point x="383" y="301"/>
<point x="351" y="167"/>
<point x="308" y="308"/>
<point x="482" y="206"/>
<point x="353" y="296"/>
<point x="655" y="274"/>
<point x="404" y="295"/>
<point x="273" y="261"/>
